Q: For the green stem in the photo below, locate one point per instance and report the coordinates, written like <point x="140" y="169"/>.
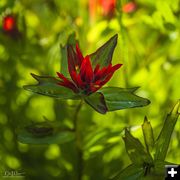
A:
<point x="78" y="142"/>
<point x="124" y="52"/>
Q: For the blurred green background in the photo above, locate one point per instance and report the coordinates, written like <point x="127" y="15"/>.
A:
<point x="149" y="49"/>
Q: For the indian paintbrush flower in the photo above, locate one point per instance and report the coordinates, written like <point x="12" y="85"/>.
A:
<point x="84" y="79"/>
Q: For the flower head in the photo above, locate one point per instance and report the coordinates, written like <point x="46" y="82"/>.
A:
<point x="9" y="26"/>
<point x="108" y="7"/>
<point x="84" y="78"/>
<point x="9" y="23"/>
<point x="129" y="7"/>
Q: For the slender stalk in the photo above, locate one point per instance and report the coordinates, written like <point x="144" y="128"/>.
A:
<point x="78" y="142"/>
<point x="124" y="51"/>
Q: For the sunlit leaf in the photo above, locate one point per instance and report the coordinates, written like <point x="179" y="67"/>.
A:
<point x="165" y="11"/>
<point x="118" y="98"/>
<point x="101" y="136"/>
<point x="132" y="172"/>
<point x="103" y="55"/>
<point x="48" y="86"/>
<point x="148" y="134"/>
<point x="163" y="140"/>
<point x="136" y="150"/>
<point x="96" y="101"/>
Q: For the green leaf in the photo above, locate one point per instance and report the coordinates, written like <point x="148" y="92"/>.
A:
<point x="159" y="167"/>
<point x="132" y="172"/>
<point x="136" y="150"/>
<point x="96" y="101"/>
<point x="103" y="55"/>
<point x="119" y="98"/>
<point x="148" y="134"/>
<point x="163" y="140"/>
<point x="165" y="10"/>
<point x="44" y="133"/>
<point x="63" y="49"/>
<point x="157" y="171"/>
<point x="48" y="86"/>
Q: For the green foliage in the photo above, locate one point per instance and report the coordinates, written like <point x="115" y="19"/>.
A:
<point x="48" y="86"/>
<point x="148" y="47"/>
<point x="104" y="54"/>
<point x="96" y="100"/>
<point x="119" y="98"/>
<point x="148" y="135"/>
<point x="144" y="166"/>
<point x="163" y="140"/>
<point x="136" y="151"/>
<point x="45" y="133"/>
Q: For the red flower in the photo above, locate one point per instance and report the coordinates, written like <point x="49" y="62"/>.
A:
<point x="108" y="7"/>
<point x="104" y="8"/>
<point x="85" y="79"/>
<point x="9" y="23"/>
<point x="9" y="26"/>
<point x="129" y="7"/>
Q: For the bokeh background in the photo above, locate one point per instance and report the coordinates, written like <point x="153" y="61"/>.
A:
<point x="149" y="49"/>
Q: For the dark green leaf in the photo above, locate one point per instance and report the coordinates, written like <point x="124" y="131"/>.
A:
<point x="148" y="135"/>
<point x="118" y="98"/>
<point x="58" y="138"/>
<point x="96" y="101"/>
<point x="103" y="55"/>
<point x="44" y="133"/>
<point x="159" y="167"/>
<point x="132" y="172"/>
<point x="170" y="26"/>
<point x="136" y="150"/>
<point x="48" y="86"/>
<point x="163" y="140"/>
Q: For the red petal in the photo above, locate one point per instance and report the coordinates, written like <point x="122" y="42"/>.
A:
<point x="106" y="77"/>
<point x="116" y="67"/>
<point x="94" y="87"/>
<point x="96" y="69"/>
<point x="77" y="79"/>
<point x="86" y="70"/>
<point x="66" y="82"/>
<point x="79" y="54"/>
<point x="102" y="73"/>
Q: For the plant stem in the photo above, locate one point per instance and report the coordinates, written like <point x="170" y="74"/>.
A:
<point x="78" y="142"/>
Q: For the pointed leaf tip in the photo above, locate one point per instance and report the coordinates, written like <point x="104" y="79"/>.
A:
<point x="136" y="150"/>
<point x="163" y="140"/>
<point x="176" y="108"/>
<point x="119" y="98"/>
<point x="148" y="135"/>
<point x="103" y="55"/>
<point x="145" y="119"/>
<point x="48" y="86"/>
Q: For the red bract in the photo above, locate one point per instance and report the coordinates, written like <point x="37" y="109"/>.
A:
<point x="9" y="23"/>
<point x="84" y="79"/>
